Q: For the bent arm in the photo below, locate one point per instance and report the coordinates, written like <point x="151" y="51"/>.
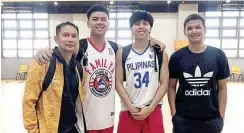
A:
<point x="164" y="79"/>
<point x="119" y="81"/>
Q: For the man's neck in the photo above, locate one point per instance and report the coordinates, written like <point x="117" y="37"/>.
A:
<point x="140" y="45"/>
<point x="66" y="55"/>
<point x="197" y="47"/>
<point x="97" y="40"/>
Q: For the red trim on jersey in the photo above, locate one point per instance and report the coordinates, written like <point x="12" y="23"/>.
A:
<point x="94" y="46"/>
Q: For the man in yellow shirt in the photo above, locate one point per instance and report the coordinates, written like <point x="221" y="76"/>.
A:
<point x="58" y="108"/>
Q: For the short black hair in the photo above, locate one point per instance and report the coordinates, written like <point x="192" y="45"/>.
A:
<point x="194" y="17"/>
<point x="141" y="15"/>
<point x="58" y="27"/>
<point x="97" y="8"/>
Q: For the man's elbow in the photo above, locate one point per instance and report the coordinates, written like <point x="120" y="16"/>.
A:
<point x="222" y="84"/>
<point x="118" y="84"/>
<point x="222" y="88"/>
<point x="171" y="88"/>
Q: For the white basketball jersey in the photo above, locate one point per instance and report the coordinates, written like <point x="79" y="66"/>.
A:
<point x="99" y="105"/>
<point x="141" y="78"/>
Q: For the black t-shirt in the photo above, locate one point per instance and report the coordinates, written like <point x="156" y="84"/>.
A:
<point x="198" y="74"/>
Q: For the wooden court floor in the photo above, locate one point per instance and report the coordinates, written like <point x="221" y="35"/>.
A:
<point x="11" y="109"/>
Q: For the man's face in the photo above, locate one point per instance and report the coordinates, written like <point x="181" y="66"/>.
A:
<point x="67" y="39"/>
<point x="98" y="23"/>
<point x="141" y="30"/>
<point x="195" y="31"/>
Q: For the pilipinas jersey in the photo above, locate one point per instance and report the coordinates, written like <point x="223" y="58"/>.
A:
<point x="99" y="105"/>
<point x="141" y="78"/>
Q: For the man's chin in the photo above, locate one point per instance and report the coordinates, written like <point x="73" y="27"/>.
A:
<point x="141" y="37"/>
<point x="196" y="41"/>
<point x="71" y="50"/>
<point x="100" y="32"/>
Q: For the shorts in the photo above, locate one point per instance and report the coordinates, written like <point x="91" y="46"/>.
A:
<point x="152" y="124"/>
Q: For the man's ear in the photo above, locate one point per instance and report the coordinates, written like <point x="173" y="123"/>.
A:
<point x="88" y="24"/>
<point x="56" y="39"/>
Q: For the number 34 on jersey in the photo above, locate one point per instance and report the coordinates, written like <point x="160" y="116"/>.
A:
<point x="141" y="79"/>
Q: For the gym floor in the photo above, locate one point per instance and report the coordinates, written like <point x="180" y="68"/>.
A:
<point x="12" y="93"/>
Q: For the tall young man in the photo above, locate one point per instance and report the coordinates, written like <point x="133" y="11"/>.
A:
<point x="200" y="102"/>
<point x="55" y="110"/>
<point x="99" y="105"/>
<point x="144" y="88"/>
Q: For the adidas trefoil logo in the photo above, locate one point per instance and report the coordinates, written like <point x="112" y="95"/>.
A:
<point x="197" y="80"/>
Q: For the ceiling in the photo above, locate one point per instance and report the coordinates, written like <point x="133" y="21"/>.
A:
<point x="82" y="6"/>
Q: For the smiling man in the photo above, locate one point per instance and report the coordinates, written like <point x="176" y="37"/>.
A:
<point x="53" y="108"/>
<point x="200" y="102"/>
<point x="146" y="79"/>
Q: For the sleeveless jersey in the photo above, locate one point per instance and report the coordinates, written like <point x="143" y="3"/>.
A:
<point x="142" y="79"/>
<point x="99" y="105"/>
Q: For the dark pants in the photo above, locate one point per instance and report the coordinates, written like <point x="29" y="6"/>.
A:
<point x="183" y="125"/>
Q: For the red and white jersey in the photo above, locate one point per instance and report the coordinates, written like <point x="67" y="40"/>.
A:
<point x="99" y="105"/>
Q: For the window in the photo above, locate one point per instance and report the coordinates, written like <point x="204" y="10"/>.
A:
<point x="230" y="14"/>
<point x="10" y="34"/>
<point x="231" y="53"/>
<point x="25" y="24"/>
<point x="124" y="15"/>
<point x="124" y="42"/>
<point x="213" y="42"/>
<point x="25" y="44"/>
<point x="41" y="24"/>
<point x="229" y="22"/>
<point x="111" y="23"/>
<point x="124" y="33"/>
<point x="242" y="13"/>
<point x="242" y="33"/>
<point x="212" y="33"/>
<point x="8" y="16"/>
<point x="24" y="33"/>
<point x="41" y="43"/>
<point x="110" y="34"/>
<point x="24" y="15"/>
<point x="112" y="15"/>
<point x="227" y="33"/>
<point x="9" y="53"/>
<point x="119" y="29"/>
<point x="9" y="44"/>
<point x="25" y="53"/>
<point x="212" y="22"/>
<point x="242" y="22"/>
<point x="41" y="34"/>
<point x="40" y="15"/>
<point x="241" y="53"/>
<point x="123" y="24"/>
<point x="10" y="24"/>
<point x="213" y="14"/>
<point x="229" y="43"/>
<point x="225" y="30"/>
<point x="241" y="44"/>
